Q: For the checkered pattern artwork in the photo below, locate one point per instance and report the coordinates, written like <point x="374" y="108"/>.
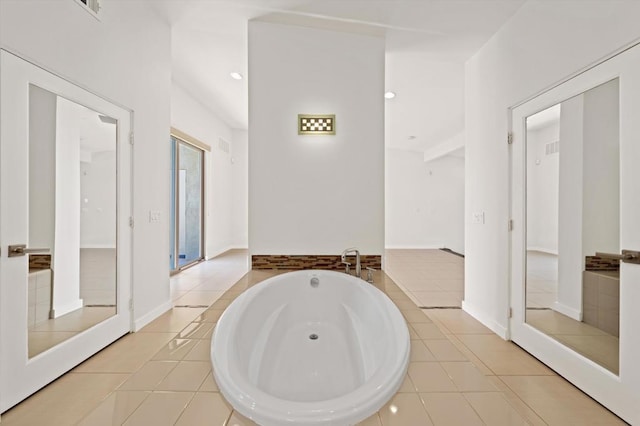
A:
<point x="316" y="124"/>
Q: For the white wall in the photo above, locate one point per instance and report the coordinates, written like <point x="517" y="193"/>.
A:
<point x="542" y="189"/>
<point x="42" y="145"/>
<point x="315" y="194"/>
<point x="125" y="57"/>
<point x="424" y="201"/>
<point x="240" y="192"/>
<point x="66" y="249"/>
<point x="223" y="196"/>
<point x="98" y="199"/>
<point x="601" y="186"/>
<point x="570" y="261"/>
<point x="543" y="43"/>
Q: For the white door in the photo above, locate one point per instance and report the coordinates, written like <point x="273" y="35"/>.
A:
<point x="575" y="205"/>
<point x="65" y="176"/>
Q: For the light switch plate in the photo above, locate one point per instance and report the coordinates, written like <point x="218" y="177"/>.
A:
<point x="477" y="218"/>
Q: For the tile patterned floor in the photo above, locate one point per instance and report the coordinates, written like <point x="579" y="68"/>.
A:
<point x="460" y="372"/>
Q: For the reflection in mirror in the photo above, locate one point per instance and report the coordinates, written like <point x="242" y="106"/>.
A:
<point x="573" y="208"/>
<point x="72" y="212"/>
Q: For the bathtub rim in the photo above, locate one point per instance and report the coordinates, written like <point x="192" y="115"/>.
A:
<point x="350" y="408"/>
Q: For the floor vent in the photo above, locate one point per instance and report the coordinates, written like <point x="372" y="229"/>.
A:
<point x="99" y="306"/>
<point x="452" y="252"/>
<point x="439" y="307"/>
<point x="191" y="306"/>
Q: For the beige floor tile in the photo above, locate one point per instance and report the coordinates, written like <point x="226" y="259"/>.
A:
<point x="518" y="404"/>
<point x="126" y="355"/>
<point x="459" y="322"/>
<point x="427" y="331"/>
<point x="444" y="350"/>
<point x="201" y="352"/>
<point x="419" y="352"/>
<point x="40" y="341"/>
<point x="412" y="332"/>
<point x="238" y="419"/>
<point x="405" y="304"/>
<point x="65" y="401"/>
<point x="407" y="385"/>
<point x="439" y="299"/>
<point x="175" y="350"/>
<point x="494" y="409"/>
<point x="172" y="321"/>
<point x="558" y="402"/>
<point x="213" y="284"/>
<point x="450" y="409"/>
<point x="149" y="376"/>
<point x="502" y="357"/>
<point x="177" y="294"/>
<point x="198" y="298"/>
<point x="467" y="378"/>
<point x="210" y="315"/>
<point x="115" y="409"/>
<point x="221" y="304"/>
<point x="197" y="330"/>
<point x="209" y="384"/>
<point x="416" y="315"/>
<point x="419" y="283"/>
<point x="604" y="350"/>
<point x="430" y="377"/>
<point x="206" y="408"/>
<point x="160" y="409"/>
<point x="186" y="376"/>
<point x="404" y="409"/>
<point x="469" y="355"/>
<point x="373" y="420"/>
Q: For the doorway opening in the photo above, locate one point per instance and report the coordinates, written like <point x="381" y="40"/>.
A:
<point x="187" y="204"/>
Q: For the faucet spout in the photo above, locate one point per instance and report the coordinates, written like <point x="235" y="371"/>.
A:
<point x="355" y="251"/>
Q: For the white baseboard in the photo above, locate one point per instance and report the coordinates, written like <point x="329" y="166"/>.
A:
<point x="218" y="252"/>
<point x="60" y="310"/>
<point x="485" y="320"/>
<point x="543" y="250"/>
<point x="576" y="314"/>
<point x="150" y="316"/>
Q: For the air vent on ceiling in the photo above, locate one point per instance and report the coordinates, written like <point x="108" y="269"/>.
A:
<point x="552" y="148"/>
<point x="91" y="6"/>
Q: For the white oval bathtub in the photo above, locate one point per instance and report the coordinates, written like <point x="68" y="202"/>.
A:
<point x="310" y="348"/>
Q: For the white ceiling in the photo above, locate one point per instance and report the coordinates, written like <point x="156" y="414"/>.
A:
<point x="427" y="43"/>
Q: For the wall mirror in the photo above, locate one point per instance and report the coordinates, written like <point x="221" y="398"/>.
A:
<point x="65" y="240"/>
<point x="72" y="219"/>
<point x="572" y="216"/>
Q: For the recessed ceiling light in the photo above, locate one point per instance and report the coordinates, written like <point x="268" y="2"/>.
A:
<point x="236" y="75"/>
<point x="389" y="95"/>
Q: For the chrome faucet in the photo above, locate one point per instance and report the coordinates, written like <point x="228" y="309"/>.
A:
<point x="343" y="258"/>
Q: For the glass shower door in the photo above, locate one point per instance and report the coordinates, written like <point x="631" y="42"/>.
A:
<point x="187" y="204"/>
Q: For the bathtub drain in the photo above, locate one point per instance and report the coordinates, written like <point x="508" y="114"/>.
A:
<point x="313" y="336"/>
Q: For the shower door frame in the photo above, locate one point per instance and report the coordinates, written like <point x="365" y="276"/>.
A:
<point x="182" y="138"/>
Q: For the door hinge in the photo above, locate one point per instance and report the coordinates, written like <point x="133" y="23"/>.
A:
<point x="510" y="313"/>
<point x="509" y="138"/>
<point x="131" y="138"/>
<point x="510" y="225"/>
<point x="131" y="221"/>
<point x="131" y="305"/>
